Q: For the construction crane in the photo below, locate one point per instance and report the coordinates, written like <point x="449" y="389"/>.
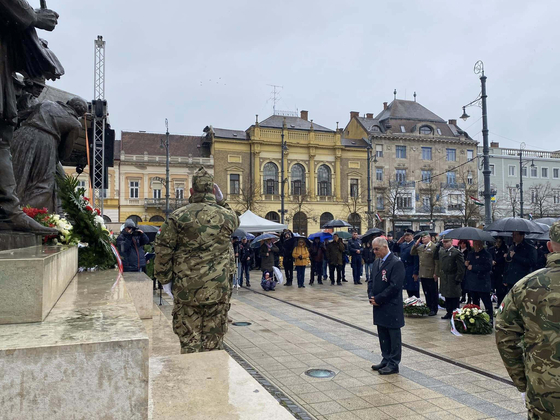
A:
<point x="99" y="111"/>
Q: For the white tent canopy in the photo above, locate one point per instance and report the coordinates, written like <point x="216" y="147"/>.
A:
<point x="250" y="222"/>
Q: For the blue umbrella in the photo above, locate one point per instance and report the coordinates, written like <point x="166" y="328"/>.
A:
<point x="257" y="241"/>
<point x="322" y="235"/>
<point x="249" y="236"/>
<point x="445" y="232"/>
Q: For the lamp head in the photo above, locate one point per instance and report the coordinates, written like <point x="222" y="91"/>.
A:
<point x="465" y="115"/>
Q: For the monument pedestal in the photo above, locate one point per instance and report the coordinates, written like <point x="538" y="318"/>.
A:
<point x="16" y="240"/>
<point x="87" y="360"/>
<point x="32" y="280"/>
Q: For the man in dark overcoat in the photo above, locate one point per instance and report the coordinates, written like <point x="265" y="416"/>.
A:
<point x="411" y="263"/>
<point x="450" y="268"/>
<point x="478" y="279"/>
<point x="385" y="294"/>
<point x="520" y="260"/>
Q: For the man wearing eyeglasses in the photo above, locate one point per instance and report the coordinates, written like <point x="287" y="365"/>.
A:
<point x="385" y="295"/>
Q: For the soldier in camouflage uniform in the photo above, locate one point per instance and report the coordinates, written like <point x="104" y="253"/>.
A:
<point x="528" y="334"/>
<point x="194" y="252"/>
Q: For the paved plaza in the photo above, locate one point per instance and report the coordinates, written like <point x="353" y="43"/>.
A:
<point x="330" y="327"/>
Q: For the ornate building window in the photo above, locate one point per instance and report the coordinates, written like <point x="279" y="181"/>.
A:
<point x="272" y="216"/>
<point x="135" y="219"/>
<point x="356" y="221"/>
<point x="298" y="179"/>
<point x="325" y="218"/>
<point x="426" y="130"/>
<point x="234" y="187"/>
<point x="270" y="178"/>
<point x="324" y="180"/>
<point x="300" y="223"/>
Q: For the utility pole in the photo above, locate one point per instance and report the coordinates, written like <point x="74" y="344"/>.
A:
<point x="370" y="219"/>
<point x="166" y="170"/>
<point x="283" y="148"/>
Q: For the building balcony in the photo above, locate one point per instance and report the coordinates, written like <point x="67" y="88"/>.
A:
<point x="159" y="203"/>
<point x="403" y="184"/>
<point x="435" y="210"/>
<point x="453" y="185"/>
<point x="454" y="207"/>
<point x="326" y="198"/>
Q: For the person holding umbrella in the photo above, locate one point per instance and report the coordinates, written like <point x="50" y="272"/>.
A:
<point x="317" y="253"/>
<point x="245" y="254"/>
<point x="498" y="252"/>
<point x="300" y="255"/>
<point x="520" y="260"/>
<point x="266" y="251"/>
<point x="335" y="250"/>
<point x="355" y="250"/>
<point x="450" y="268"/>
<point x="478" y="277"/>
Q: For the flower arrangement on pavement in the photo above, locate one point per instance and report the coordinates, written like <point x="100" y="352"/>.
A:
<point x="65" y="234"/>
<point x="415" y="306"/>
<point x="471" y="320"/>
<point x="88" y="226"/>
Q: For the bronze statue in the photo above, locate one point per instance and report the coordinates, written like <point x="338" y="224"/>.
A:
<point x="20" y="51"/>
<point x="46" y="136"/>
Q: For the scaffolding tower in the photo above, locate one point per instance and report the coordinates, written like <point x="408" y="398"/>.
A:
<point x="99" y="111"/>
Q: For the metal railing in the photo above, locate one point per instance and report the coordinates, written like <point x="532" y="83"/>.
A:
<point x="174" y="203"/>
<point x="453" y="185"/>
<point x="404" y="184"/>
<point x="454" y="207"/>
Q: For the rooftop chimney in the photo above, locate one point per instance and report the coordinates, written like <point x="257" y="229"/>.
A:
<point x="452" y="122"/>
<point x="384" y="105"/>
<point x="354" y="114"/>
<point x="494" y="144"/>
<point x="369" y="116"/>
<point x="304" y="115"/>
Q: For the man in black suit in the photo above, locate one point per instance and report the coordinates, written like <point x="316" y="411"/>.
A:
<point x="385" y="294"/>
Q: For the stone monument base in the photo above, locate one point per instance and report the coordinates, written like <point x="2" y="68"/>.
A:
<point x="32" y="280"/>
<point x="16" y="240"/>
<point x="87" y="360"/>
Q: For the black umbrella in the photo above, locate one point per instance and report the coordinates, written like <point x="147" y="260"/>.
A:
<point x="371" y="233"/>
<point x="470" y="233"/>
<point x="150" y="231"/>
<point x="336" y="223"/>
<point x="257" y="241"/>
<point x="239" y="233"/>
<point x="514" y="224"/>
<point x="292" y="242"/>
<point x="546" y="220"/>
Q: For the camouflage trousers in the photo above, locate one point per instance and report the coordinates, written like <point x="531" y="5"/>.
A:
<point x="200" y="328"/>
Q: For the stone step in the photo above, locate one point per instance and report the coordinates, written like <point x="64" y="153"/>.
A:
<point x="32" y="280"/>
<point x="89" y="359"/>
<point x="208" y="385"/>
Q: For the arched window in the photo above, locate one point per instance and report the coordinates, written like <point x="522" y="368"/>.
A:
<point x="298" y="179"/>
<point x="300" y="223"/>
<point x="324" y="180"/>
<point x="272" y="216"/>
<point x="325" y="218"/>
<point x="270" y="178"/>
<point x="356" y="221"/>
<point x="136" y="219"/>
<point x="157" y="219"/>
<point x="425" y="129"/>
<point x="375" y="129"/>
<point x="106" y="219"/>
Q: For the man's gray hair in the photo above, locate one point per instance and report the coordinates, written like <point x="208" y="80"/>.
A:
<point x="381" y="242"/>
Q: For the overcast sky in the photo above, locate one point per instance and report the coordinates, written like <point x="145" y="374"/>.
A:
<point x="200" y="63"/>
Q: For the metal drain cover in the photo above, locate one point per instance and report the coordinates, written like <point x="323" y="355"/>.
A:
<point x="241" y="324"/>
<point x="320" y="373"/>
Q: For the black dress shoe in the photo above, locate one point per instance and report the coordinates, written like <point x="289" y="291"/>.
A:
<point x="446" y="316"/>
<point x="379" y="366"/>
<point x="388" y="371"/>
<point x="288" y="284"/>
<point x="345" y="281"/>
<point x="248" y="284"/>
<point x="339" y="284"/>
<point x="332" y="283"/>
<point x="320" y="282"/>
<point x="358" y="282"/>
<point x="432" y="313"/>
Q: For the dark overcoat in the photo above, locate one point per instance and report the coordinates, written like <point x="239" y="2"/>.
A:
<point x="411" y="265"/>
<point x="386" y="287"/>
<point x="478" y="279"/>
<point x="522" y="263"/>
<point x="450" y="267"/>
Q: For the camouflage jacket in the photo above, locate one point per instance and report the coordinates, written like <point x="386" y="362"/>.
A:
<point x="194" y="251"/>
<point x="528" y="336"/>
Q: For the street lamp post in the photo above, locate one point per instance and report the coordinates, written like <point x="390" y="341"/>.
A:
<point x="521" y="165"/>
<point x="283" y="147"/>
<point x="166" y="146"/>
<point x="481" y="101"/>
<point x="369" y="156"/>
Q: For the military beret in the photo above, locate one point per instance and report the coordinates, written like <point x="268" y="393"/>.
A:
<point x="554" y="232"/>
<point x="408" y="231"/>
